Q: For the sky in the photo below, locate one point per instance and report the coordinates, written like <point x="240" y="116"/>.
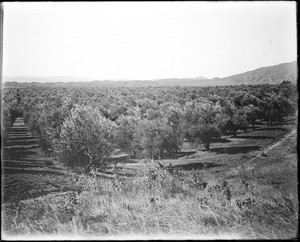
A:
<point x="146" y="40"/>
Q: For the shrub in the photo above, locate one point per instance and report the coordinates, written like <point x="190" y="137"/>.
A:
<point x="156" y="138"/>
<point x="86" y="136"/>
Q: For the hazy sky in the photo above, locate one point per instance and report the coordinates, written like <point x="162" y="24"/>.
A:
<point x="146" y="40"/>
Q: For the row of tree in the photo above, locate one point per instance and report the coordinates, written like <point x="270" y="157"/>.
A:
<point x="83" y="126"/>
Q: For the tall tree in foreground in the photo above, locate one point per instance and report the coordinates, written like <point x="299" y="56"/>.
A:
<point x="86" y="137"/>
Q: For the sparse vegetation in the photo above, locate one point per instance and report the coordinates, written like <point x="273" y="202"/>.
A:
<point x="160" y="203"/>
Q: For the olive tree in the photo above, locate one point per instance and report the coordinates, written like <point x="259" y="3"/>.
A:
<point x="155" y="139"/>
<point x="235" y="118"/>
<point x="86" y="137"/>
<point x="201" y="123"/>
<point x="125" y="132"/>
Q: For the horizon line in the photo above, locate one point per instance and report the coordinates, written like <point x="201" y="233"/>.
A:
<point x="131" y="79"/>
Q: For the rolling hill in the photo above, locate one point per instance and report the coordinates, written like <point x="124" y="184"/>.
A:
<point x="264" y="75"/>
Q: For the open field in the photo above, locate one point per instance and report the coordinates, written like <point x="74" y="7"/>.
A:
<point x="244" y="187"/>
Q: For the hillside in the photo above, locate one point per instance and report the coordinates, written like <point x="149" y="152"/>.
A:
<point x="264" y="75"/>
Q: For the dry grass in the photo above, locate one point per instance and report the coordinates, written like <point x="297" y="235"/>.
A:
<point x="158" y="204"/>
<point x="239" y="203"/>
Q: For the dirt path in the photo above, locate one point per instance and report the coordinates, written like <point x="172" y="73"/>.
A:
<point x="266" y="150"/>
<point x="26" y="173"/>
<point x="280" y="141"/>
<point x="253" y="163"/>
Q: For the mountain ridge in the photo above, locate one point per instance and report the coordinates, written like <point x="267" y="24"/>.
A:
<point x="264" y="75"/>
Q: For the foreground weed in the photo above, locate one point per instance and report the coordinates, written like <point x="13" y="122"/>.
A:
<point x="157" y="202"/>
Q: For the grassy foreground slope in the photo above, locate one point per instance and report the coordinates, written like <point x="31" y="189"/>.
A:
<point x="254" y="197"/>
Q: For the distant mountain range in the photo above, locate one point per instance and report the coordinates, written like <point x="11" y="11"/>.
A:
<point x="43" y="79"/>
<point x="264" y="75"/>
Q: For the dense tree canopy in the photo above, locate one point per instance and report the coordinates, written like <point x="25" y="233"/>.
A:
<point x="82" y="125"/>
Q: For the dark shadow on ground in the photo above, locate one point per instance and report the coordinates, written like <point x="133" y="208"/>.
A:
<point x="221" y="140"/>
<point x="28" y="137"/>
<point x="272" y="128"/>
<point x="11" y="196"/>
<point x="26" y="171"/>
<point x="19" y="171"/>
<point x="17" y="155"/>
<point x="21" y="142"/>
<point x="252" y="137"/>
<point x="26" y="164"/>
<point x="291" y="120"/>
<point x="196" y="166"/>
<point x="121" y="159"/>
<point x="180" y="154"/>
<point x="234" y="150"/>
